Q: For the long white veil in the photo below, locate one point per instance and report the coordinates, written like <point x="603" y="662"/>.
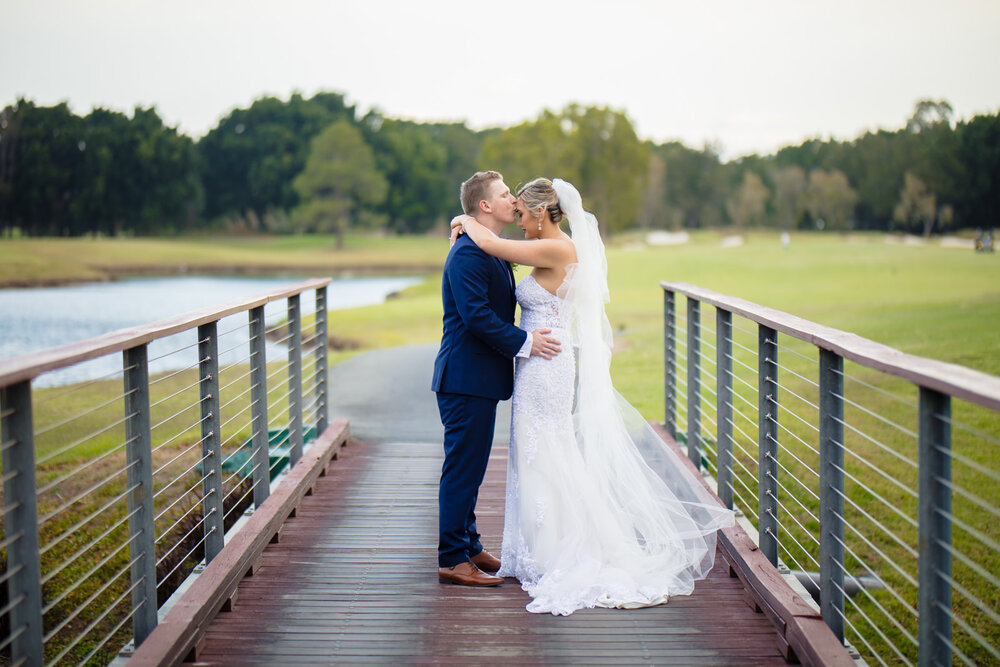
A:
<point x="667" y="506"/>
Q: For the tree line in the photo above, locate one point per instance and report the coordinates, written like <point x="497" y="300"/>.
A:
<point x="317" y="165"/>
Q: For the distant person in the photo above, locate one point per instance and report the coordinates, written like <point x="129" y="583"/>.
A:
<point x="472" y="372"/>
<point x="587" y="522"/>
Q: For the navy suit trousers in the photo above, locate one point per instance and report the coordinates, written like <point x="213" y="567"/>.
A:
<point x="468" y="438"/>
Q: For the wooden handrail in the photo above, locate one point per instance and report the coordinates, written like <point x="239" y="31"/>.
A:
<point x="31" y="365"/>
<point x="958" y="381"/>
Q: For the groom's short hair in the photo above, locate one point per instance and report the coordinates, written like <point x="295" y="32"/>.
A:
<point x="476" y="189"/>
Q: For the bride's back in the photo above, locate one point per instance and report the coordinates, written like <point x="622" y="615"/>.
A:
<point x="551" y="277"/>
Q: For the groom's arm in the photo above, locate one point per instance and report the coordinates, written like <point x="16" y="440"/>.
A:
<point x="469" y="280"/>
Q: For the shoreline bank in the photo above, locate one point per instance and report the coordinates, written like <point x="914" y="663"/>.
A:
<point x="112" y="274"/>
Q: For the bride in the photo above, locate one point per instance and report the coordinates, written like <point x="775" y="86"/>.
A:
<point x="598" y="511"/>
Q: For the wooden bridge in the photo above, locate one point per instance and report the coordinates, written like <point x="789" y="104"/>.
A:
<point x="336" y="561"/>
<point x="351" y="577"/>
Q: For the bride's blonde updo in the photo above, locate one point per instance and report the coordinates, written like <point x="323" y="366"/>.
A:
<point x="539" y="193"/>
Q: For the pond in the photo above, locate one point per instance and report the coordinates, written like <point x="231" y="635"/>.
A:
<point x="35" y="319"/>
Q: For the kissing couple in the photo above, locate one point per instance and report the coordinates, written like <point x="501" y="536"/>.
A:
<point x="598" y="512"/>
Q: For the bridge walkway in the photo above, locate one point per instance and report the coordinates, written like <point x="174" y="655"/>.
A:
<point x="353" y="579"/>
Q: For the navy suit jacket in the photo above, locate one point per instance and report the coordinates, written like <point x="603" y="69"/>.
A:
<point x="479" y="339"/>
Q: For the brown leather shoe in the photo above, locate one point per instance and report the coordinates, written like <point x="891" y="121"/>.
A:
<point x="467" y="574"/>
<point x="486" y="561"/>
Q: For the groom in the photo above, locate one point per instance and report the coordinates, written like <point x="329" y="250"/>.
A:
<point x="472" y="372"/>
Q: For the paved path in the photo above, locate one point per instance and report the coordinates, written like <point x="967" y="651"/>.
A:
<point x="387" y="396"/>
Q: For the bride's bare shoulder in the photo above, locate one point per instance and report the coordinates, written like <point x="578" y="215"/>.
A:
<point x="570" y="248"/>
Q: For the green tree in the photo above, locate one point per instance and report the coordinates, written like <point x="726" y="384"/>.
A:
<point x="693" y="187"/>
<point x="917" y="207"/>
<point x="878" y="162"/>
<point x="614" y="164"/>
<point x="42" y="168"/>
<point x="656" y="213"/>
<point x="142" y="175"/>
<point x="531" y="149"/>
<point x="790" y="186"/>
<point x="830" y="198"/>
<point x="61" y="174"/>
<point x="979" y="149"/>
<point x="414" y="165"/>
<point x="340" y="184"/>
<point x="251" y="157"/>
<point x="928" y="114"/>
<point x="595" y="148"/>
<point x="462" y="148"/>
<point x="747" y="205"/>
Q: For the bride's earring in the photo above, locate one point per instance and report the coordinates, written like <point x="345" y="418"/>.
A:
<point x="539" y="223"/>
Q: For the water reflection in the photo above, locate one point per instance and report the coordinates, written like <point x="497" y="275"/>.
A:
<point x="40" y="318"/>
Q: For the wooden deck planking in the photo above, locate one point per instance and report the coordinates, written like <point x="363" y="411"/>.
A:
<point x="353" y="579"/>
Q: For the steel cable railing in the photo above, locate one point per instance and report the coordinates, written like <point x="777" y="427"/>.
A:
<point x="875" y="469"/>
<point x="115" y="489"/>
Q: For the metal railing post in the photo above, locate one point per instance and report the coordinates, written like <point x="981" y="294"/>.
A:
<point x="24" y="587"/>
<point x="669" y="363"/>
<point x="934" y="516"/>
<point x="831" y="490"/>
<point x="139" y="461"/>
<point x="694" y="381"/>
<point x="294" y="379"/>
<point x="767" y="445"/>
<point x="258" y="407"/>
<point x="724" y="403"/>
<point x="322" y="395"/>
<point x="211" y="440"/>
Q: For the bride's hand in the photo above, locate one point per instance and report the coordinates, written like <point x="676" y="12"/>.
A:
<point x="458" y="227"/>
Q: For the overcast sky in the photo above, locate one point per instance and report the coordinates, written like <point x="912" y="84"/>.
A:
<point x="746" y="75"/>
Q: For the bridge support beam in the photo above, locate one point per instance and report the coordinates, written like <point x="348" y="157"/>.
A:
<point x="322" y="373"/>
<point x="24" y="588"/>
<point x="934" y="515"/>
<point x="211" y="440"/>
<point x="724" y="403"/>
<point x="767" y="445"/>
<point x="294" y="379"/>
<point x="670" y="364"/>
<point x="831" y="490"/>
<point x="694" y="382"/>
<point x="141" y="523"/>
<point x="258" y="407"/>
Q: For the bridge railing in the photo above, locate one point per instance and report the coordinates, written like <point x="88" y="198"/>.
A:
<point x="873" y="474"/>
<point x="117" y="487"/>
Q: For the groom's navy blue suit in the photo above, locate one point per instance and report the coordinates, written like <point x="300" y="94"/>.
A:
<point x="473" y="371"/>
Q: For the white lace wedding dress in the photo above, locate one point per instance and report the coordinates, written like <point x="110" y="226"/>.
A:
<point x="599" y="513"/>
<point x="571" y="536"/>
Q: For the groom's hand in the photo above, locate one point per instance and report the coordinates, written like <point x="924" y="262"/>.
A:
<point x="543" y="345"/>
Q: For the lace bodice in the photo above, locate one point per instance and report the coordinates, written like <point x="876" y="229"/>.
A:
<point x="539" y="307"/>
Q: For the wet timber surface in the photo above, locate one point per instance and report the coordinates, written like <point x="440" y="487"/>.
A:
<point x="353" y="578"/>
